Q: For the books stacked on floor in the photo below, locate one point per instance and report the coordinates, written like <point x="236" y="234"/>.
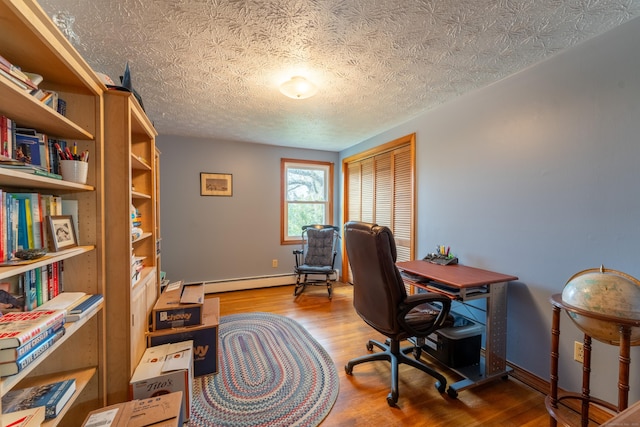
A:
<point x="25" y="336"/>
<point x="53" y="397"/>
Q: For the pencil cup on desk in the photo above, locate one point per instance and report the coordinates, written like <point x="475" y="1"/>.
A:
<point x="74" y="170"/>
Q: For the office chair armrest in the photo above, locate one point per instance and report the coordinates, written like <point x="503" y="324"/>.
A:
<point x="413" y="301"/>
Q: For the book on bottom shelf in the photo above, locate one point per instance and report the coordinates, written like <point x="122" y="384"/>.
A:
<point x="16" y="328"/>
<point x="32" y="417"/>
<point x="53" y="397"/>
<point x="12" y="368"/>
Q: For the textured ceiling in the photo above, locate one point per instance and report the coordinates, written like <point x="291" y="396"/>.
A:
<point x="211" y="68"/>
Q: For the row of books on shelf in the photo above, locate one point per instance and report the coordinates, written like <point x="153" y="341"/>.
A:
<point x="24" y="221"/>
<point x="30" y="83"/>
<point x="31" y="289"/>
<point x="137" y="265"/>
<point x="26" y="335"/>
<point x="30" y="151"/>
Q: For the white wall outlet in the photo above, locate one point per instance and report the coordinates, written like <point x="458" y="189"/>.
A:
<point x="578" y="351"/>
<point x="274" y="263"/>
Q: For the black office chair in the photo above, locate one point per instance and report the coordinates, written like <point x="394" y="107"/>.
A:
<point x="381" y="300"/>
<point x="317" y="257"/>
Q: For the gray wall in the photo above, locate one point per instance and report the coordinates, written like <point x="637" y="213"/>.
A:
<point x="537" y="176"/>
<point x="207" y="238"/>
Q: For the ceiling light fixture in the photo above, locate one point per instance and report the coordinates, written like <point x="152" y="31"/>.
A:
<point x="298" y="88"/>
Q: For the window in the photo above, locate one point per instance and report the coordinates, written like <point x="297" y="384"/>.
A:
<point x="307" y="193"/>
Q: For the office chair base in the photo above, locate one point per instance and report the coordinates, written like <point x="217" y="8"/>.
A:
<point x="396" y="356"/>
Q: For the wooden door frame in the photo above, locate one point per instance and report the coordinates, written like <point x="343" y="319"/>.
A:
<point x="409" y="140"/>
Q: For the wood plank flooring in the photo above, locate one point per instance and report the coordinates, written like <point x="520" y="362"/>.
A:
<point x="362" y="397"/>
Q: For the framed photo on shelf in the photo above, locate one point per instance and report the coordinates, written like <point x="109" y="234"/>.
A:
<point x="216" y="184"/>
<point x="62" y="233"/>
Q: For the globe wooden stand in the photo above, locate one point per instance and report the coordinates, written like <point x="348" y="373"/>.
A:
<point x="552" y="400"/>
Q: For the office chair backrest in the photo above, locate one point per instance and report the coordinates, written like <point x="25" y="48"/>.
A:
<point x="378" y="286"/>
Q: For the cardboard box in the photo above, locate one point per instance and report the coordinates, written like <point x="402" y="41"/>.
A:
<point x="205" y="338"/>
<point x="160" y="411"/>
<point x="179" y="305"/>
<point x="165" y="369"/>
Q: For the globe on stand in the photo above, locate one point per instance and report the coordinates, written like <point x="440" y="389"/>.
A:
<point x="608" y="292"/>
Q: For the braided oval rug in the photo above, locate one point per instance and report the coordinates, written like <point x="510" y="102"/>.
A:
<point x="272" y="373"/>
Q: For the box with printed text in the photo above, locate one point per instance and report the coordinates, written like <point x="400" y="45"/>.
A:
<point x="159" y="411"/>
<point x="165" y="369"/>
<point x="205" y="339"/>
<point x="179" y="305"/>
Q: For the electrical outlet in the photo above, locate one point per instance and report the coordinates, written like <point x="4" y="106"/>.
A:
<point x="274" y="263"/>
<point x="578" y="351"/>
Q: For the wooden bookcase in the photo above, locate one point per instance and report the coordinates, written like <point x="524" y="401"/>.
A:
<point x="130" y="159"/>
<point x="158" y="228"/>
<point x="29" y="39"/>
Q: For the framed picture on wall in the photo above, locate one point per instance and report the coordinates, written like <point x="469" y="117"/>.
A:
<point x="216" y="184"/>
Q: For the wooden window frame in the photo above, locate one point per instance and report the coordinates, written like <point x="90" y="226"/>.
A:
<point x="284" y="163"/>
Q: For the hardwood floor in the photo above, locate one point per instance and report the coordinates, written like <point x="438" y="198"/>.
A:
<point x="362" y="397"/>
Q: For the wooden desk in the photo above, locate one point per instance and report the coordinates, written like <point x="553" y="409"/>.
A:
<point x="472" y="283"/>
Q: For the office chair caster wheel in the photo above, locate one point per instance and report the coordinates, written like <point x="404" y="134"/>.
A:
<point x="452" y="393"/>
<point x="392" y="399"/>
<point x="441" y="387"/>
<point x="369" y="346"/>
<point x="348" y="369"/>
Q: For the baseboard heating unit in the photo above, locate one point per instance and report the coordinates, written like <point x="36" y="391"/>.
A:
<point x="243" y="283"/>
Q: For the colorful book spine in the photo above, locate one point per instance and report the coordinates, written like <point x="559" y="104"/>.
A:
<point x="17" y="328"/>
<point x="11" y="354"/>
<point x="12" y="368"/>
<point x="30" y="291"/>
<point x="85" y="306"/>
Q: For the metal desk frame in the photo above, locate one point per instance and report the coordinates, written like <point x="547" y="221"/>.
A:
<point x="471" y="283"/>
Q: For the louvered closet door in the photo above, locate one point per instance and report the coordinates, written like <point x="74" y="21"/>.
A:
<point x="402" y="225"/>
<point x="380" y="190"/>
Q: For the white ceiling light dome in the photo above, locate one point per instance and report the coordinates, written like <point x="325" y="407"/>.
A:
<point x="298" y="87"/>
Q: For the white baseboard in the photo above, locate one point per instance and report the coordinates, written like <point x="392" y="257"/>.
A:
<point x="243" y="283"/>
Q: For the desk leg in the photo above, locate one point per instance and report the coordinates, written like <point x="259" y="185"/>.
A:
<point x="494" y="364"/>
<point x="496" y="330"/>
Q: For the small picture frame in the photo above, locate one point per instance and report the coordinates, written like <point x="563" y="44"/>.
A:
<point x="62" y="233"/>
<point x="216" y="184"/>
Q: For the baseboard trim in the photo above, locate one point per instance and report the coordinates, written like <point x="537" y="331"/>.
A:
<point x="244" y="283"/>
<point x="596" y="413"/>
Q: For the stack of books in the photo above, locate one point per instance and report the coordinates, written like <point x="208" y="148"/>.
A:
<point x="76" y="305"/>
<point x="25" y="336"/>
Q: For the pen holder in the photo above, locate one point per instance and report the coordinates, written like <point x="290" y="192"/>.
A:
<point x="74" y="171"/>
